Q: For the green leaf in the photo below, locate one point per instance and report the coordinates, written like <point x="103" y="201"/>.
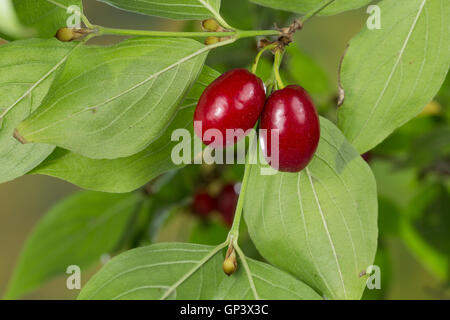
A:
<point x="319" y="224"/>
<point x="208" y="232"/>
<point x="10" y="26"/>
<point x="306" y="72"/>
<point x="27" y="69"/>
<point x="172" y="9"/>
<point x="390" y="74"/>
<point x="149" y="272"/>
<point x="40" y="18"/>
<point x="304" y="6"/>
<point x="77" y="231"/>
<point x="127" y="174"/>
<point x="112" y="102"/>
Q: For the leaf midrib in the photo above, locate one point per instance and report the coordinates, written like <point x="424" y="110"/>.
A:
<point x="136" y="86"/>
<point x="37" y="83"/>
<point x="394" y="69"/>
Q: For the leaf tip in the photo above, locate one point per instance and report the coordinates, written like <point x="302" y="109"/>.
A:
<point x="19" y="137"/>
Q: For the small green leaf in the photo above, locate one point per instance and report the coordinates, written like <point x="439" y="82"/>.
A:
<point x="150" y="272"/>
<point x="304" y="6"/>
<point x="127" y="174"/>
<point x="389" y="75"/>
<point x="40" y="18"/>
<point x="319" y="224"/>
<point x="112" y="102"/>
<point x="77" y="231"/>
<point x="27" y="69"/>
<point x="172" y="9"/>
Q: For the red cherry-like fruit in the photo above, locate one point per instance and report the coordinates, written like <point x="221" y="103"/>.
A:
<point x="227" y="202"/>
<point x="203" y="204"/>
<point x="292" y="112"/>
<point x="232" y="101"/>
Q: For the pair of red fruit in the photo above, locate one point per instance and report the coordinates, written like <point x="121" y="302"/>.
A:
<point x="237" y="99"/>
<point x="225" y="203"/>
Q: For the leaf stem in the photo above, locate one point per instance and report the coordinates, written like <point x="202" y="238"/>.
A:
<point x="234" y="231"/>
<point x="151" y="33"/>
<point x="256" y="33"/>
<point x="194" y="269"/>
<point x="86" y="21"/>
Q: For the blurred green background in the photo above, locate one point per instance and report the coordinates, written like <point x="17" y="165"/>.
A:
<point x="411" y="167"/>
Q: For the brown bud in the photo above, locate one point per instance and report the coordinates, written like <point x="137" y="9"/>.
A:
<point x="65" y="34"/>
<point x="70" y="34"/>
<point x="229" y="267"/>
<point x="19" y="137"/>
<point x="230" y="263"/>
<point x="264" y="43"/>
<point x="211" y="40"/>
<point x="211" y="25"/>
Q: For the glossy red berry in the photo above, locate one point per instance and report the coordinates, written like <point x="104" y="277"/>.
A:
<point x="233" y="101"/>
<point x="227" y="202"/>
<point x="367" y="156"/>
<point x="203" y="204"/>
<point x="292" y="112"/>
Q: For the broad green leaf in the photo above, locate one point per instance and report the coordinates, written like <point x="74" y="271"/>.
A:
<point x="172" y="9"/>
<point x="39" y="18"/>
<point x="389" y="75"/>
<point x="27" y="69"/>
<point x="77" y="231"/>
<point x="425" y="226"/>
<point x="127" y="174"/>
<point x="319" y="224"/>
<point x="10" y="26"/>
<point x="112" y="102"/>
<point x="304" y="6"/>
<point x="149" y="272"/>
